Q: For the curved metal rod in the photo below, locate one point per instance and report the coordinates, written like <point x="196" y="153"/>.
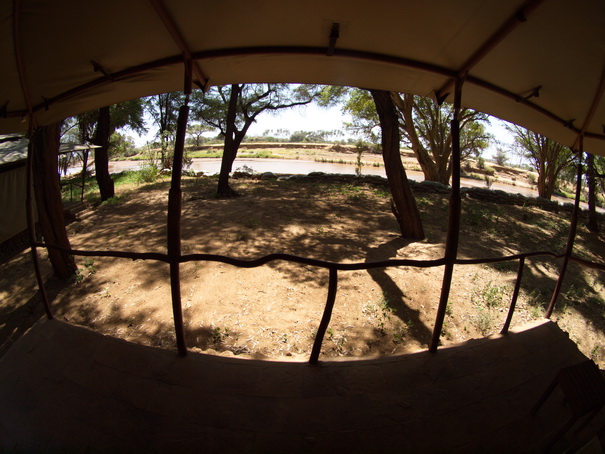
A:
<point x="297" y="50"/>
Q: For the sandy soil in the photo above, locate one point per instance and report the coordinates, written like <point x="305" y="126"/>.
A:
<point x="273" y="311"/>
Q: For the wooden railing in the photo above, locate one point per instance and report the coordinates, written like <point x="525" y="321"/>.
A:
<point x="332" y="267"/>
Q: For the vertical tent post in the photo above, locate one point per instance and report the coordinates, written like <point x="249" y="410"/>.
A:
<point x="174" y="217"/>
<point x="572" y="233"/>
<point x="31" y="227"/>
<point x="453" y="227"/>
<point x="29" y="209"/>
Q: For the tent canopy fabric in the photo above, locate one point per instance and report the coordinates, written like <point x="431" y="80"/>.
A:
<point x="537" y="63"/>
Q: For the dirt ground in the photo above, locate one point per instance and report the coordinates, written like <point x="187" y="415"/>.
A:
<point x="273" y="311"/>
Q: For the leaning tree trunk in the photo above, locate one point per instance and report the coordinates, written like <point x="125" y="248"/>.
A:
<point x="101" y="138"/>
<point x="593" y="223"/>
<point x="402" y="202"/>
<point x="45" y="143"/>
<point x="231" y="146"/>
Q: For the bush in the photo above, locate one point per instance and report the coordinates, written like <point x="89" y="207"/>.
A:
<point x="147" y="174"/>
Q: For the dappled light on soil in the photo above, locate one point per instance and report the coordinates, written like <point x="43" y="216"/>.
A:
<point x="273" y="311"/>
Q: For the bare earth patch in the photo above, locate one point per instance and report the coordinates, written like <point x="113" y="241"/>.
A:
<point x="273" y="311"/>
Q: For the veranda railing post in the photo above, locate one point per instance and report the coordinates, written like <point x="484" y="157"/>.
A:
<point x="325" y="320"/>
<point x="513" y="302"/>
<point x="453" y="228"/>
<point x="174" y="217"/>
<point x="572" y="234"/>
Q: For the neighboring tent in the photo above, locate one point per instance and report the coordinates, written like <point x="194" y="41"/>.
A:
<point x="13" y="178"/>
<point x="13" y="181"/>
<point x="537" y="63"/>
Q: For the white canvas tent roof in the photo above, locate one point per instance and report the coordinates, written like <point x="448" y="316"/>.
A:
<point x="66" y="56"/>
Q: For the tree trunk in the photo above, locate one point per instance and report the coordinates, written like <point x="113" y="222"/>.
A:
<point x="592" y="224"/>
<point x="429" y="165"/>
<point x="230" y="148"/>
<point x="402" y="202"/>
<point x="45" y="143"/>
<point x="101" y="138"/>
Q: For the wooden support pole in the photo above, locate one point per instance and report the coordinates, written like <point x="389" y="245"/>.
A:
<point x="453" y="228"/>
<point x="175" y="197"/>
<point x="31" y="229"/>
<point x="572" y="235"/>
<point x="325" y="320"/>
<point x="513" y="303"/>
<point x="174" y="230"/>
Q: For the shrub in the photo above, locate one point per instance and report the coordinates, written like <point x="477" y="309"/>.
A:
<point x="147" y="174"/>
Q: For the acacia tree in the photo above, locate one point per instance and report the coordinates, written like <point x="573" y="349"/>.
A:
<point x="425" y="129"/>
<point x="547" y="157"/>
<point x="196" y="132"/>
<point x="403" y="203"/>
<point x="595" y="173"/>
<point x="47" y="191"/>
<point x="164" y="109"/>
<point x="232" y="110"/>
<point x="96" y="127"/>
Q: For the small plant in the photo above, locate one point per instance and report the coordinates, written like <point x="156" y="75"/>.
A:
<point x="489" y="296"/>
<point x="359" y="147"/>
<point x="243" y="171"/>
<point x="89" y="264"/>
<point x="493" y="295"/>
<point x="148" y="173"/>
<point x="489" y="181"/>
<point x="594" y="353"/>
<point x="76" y="278"/>
<point x="483" y="321"/>
<point x="218" y="336"/>
<point x="113" y="201"/>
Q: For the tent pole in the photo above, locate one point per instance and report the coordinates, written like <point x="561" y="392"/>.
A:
<point x="572" y="233"/>
<point x="174" y="218"/>
<point x="29" y="209"/>
<point x="453" y="228"/>
<point x="31" y="228"/>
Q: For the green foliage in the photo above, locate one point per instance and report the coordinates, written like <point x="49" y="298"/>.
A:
<point x="164" y="109"/>
<point x="211" y="108"/>
<point x="218" y="335"/>
<point x="195" y="133"/>
<point x="500" y="157"/>
<point x="89" y="264"/>
<point x="148" y="173"/>
<point x="359" y="147"/>
<point x="424" y="127"/>
<point x="121" y="146"/>
<point x="547" y="157"/>
<point x="483" y="321"/>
